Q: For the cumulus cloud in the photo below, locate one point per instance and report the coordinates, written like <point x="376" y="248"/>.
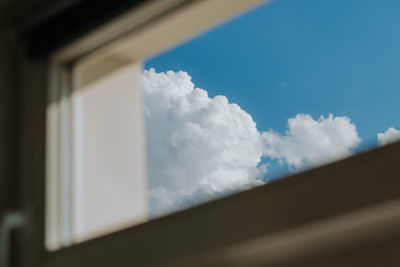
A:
<point x="198" y="146"/>
<point x="309" y="142"/>
<point x="201" y="147"/>
<point x="390" y="136"/>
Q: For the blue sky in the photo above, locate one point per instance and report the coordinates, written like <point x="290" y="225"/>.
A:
<point x="302" y="56"/>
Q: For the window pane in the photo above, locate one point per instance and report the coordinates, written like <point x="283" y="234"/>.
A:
<point x="289" y="86"/>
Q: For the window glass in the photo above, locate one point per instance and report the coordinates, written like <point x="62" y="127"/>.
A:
<point x="291" y="85"/>
<point x="288" y="86"/>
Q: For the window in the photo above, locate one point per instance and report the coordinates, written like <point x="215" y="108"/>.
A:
<point x="339" y="212"/>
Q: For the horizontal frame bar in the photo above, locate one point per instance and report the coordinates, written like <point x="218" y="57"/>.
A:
<point x="337" y="189"/>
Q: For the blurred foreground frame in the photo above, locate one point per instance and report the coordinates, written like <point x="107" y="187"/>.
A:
<point x="346" y="213"/>
<point x="343" y="214"/>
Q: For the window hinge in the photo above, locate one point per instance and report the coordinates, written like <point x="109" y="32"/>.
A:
<point x="11" y="220"/>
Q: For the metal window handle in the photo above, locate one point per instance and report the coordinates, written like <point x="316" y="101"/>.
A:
<point x="10" y="221"/>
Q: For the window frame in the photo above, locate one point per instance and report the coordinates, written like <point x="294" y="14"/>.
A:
<point x="202" y="236"/>
<point x="295" y="210"/>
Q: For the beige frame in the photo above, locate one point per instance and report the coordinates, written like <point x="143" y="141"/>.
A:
<point x="288" y="222"/>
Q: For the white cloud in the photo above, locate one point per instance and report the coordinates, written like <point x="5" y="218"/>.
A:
<point x="201" y="147"/>
<point x="390" y="136"/>
<point x="310" y="142"/>
<point x="197" y="145"/>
